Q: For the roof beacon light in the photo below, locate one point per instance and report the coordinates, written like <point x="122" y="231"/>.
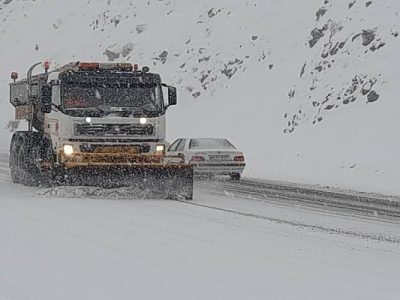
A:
<point x="46" y="65"/>
<point x="106" y="66"/>
<point x="145" y="69"/>
<point x="136" y="67"/>
<point x="125" y="67"/>
<point x="14" y="76"/>
<point x="88" y="66"/>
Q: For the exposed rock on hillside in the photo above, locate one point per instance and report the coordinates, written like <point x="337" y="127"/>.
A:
<point x="343" y="67"/>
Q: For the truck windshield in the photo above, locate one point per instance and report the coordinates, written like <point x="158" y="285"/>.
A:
<point x="136" y="100"/>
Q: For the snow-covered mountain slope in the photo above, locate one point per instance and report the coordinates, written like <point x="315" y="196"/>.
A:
<point x="353" y="47"/>
<point x="306" y="88"/>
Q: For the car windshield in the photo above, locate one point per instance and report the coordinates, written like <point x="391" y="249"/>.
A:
<point x="207" y="143"/>
<point x="146" y="98"/>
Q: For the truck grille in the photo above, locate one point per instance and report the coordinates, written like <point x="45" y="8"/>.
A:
<point x="113" y="130"/>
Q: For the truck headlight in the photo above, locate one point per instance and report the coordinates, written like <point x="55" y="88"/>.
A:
<point x="160" y="149"/>
<point x="68" y="149"/>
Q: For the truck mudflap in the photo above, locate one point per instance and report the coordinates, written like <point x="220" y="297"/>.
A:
<point x="164" y="181"/>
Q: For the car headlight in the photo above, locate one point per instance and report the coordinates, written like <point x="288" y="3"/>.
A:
<point x="160" y="149"/>
<point x="68" y="149"/>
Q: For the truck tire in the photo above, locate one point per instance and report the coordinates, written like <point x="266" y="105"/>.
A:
<point x="26" y="159"/>
<point x="26" y="151"/>
<point x="14" y="149"/>
<point x="235" y="176"/>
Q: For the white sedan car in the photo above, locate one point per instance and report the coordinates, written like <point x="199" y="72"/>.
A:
<point x="210" y="156"/>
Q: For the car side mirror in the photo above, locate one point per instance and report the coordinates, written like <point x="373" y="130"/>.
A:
<point x="46" y="99"/>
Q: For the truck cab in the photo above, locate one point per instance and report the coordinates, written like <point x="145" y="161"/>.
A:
<point x="88" y="115"/>
<point x="90" y="107"/>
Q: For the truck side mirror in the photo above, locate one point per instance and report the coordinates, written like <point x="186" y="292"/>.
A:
<point x="46" y="99"/>
<point x="172" y="96"/>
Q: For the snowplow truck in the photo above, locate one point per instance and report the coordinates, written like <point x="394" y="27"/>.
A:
<point x="96" y="124"/>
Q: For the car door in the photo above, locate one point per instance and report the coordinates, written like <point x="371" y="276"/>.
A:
<point x="177" y="148"/>
<point x="180" y="149"/>
<point x="174" y="145"/>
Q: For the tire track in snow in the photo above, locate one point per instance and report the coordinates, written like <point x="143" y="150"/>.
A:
<point x="284" y="193"/>
<point x="300" y="225"/>
<point x="5" y="176"/>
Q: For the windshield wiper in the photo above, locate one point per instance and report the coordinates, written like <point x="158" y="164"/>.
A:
<point x="81" y="110"/>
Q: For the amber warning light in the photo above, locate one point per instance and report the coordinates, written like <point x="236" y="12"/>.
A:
<point x="46" y="65"/>
<point x="93" y="66"/>
<point x="85" y="66"/>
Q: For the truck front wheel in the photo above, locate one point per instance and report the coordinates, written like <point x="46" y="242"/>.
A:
<point x="28" y="171"/>
<point x="235" y="176"/>
<point x="14" y="151"/>
<point x="26" y="151"/>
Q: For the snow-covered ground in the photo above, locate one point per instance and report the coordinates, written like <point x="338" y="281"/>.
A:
<point x="308" y="89"/>
<point x="109" y="248"/>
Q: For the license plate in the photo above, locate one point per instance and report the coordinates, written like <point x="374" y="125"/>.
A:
<point x="220" y="157"/>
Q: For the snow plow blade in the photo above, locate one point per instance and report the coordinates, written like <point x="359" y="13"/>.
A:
<point x="173" y="182"/>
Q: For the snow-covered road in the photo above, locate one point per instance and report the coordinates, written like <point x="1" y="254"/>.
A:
<point x="58" y="247"/>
